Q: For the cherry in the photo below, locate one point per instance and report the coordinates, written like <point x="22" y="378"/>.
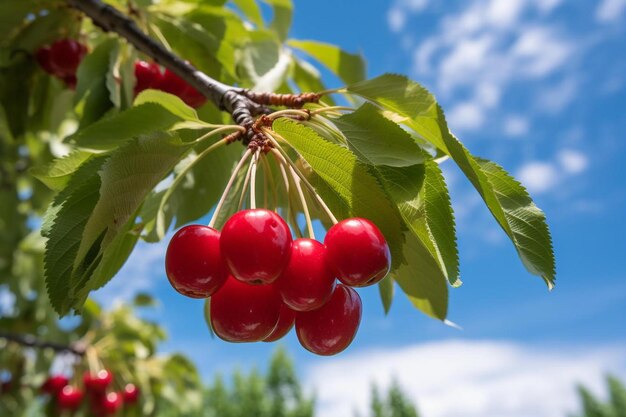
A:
<point x="130" y="394"/>
<point x="332" y="327"/>
<point x="69" y="398"/>
<point x="148" y="75"/>
<point x="285" y="323"/>
<point x="193" y="263"/>
<point x="110" y="403"/>
<point x="192" y="97"/>
<point x="43" y="59"/>
<point x="357" y="252"/>
<point x="171" y="83"/>
<point x="244" y="313"/>
<point x="54" y="384"/>
<point x="99" y="382"/>
<point x="65" y="56"/>
<point x="256" y="245"/>
<point x="307" y="282"/>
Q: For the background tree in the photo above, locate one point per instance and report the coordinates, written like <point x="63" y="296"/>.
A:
<point x="614" y="406"/>
<point x="394" y="404"/>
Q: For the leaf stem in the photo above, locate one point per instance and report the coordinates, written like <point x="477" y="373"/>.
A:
<point x="229" y="185"/>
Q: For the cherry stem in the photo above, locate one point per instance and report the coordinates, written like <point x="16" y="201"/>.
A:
<point x="253" y="165"/>
<point x="160" y="224"/>
<point x="267" y="169"/>
<point x="92" y="360"/>
<point x="278" y="150"/>
<point x="290" y="212"/>
<point x="334" y="109"/>
<point x="244" y="189"/>
<point x="288" y="112"/>
<point x="220" y="203"/>
<point x="305" y="207"/>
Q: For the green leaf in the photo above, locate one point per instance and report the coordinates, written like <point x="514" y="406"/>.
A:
<point x="127" y="178"/>
<point x="421" y="279"/>
<point x="422" y="198"/>
<point x="350" y="180"/>
<point x="63" y="225"/>
<point x="113" y="131"/>
<point x="92" y="90"/>
<point x="251" y="9"/>
<point x="349" y="67"/>
<point x="377" y="140"/>
<point x="510" y="204"/>
<point x="386" y="290"/>
<point x="58" y="173"/>
<point x="283" y="14"/>
<point x="406" y="98"/>
<point x="265" y="62"/>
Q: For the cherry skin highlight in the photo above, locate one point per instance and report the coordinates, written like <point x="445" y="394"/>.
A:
<point x="331" y="328"/>
<point x="65" y="56"/>
<point x="98" y="382"/>
<point x="193" y="261"/>
<point x="357" y="252"/>
<point x="242" y="312"/>
<point x="110" y="403"/>
<point x="147" y="74"/>
<point x="307" y="282"/>
<point x="130" y="394"/>
<point x="285" y="323"/>
<point x="256" y="245"/>
<point x="69" y="398"/>
<point x="54" y="384"/>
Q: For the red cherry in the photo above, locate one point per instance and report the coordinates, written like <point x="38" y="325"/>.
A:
<point x="130" y="393"/>
<point x="285" y="323"/>
<point x="54" y="384"/>
<point x="256" y="245"/>
<point x="69" y="398"/>
<point x="98" y="382"/>
<point x="110" y="403"/>
<point x="307" y="282"/>
<point x="332" y="327"/>
<point x="148" y="75"/>
<point x="244" y="313"/>
<point x="192" y="97"/>
<point x="171" y="83"/>
<point x="193" y="262"/>
<point x="65" y="56"/>
<point x="43" y="59"/>
<point x="357" y="252"/>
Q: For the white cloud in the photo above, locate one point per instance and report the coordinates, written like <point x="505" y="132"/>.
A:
<point x="516" y="125"/>
<point x="610" y="10"/>
<point x="466" y="116"/>
<point x="396" y="16"/>
<point x="143" y="271"/>
<point x="467" y="378"/>
<point x="558" y="97"/>
<point x="493" y="44"/>
<point x="572" y="162"/>
<point x="538" y="177"/>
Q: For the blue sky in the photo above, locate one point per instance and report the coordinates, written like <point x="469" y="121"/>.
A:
<point x="540" y="87"/>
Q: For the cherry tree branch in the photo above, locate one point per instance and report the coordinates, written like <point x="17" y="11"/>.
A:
<point x="231" y="99"/>
<point x="32" y="341"/>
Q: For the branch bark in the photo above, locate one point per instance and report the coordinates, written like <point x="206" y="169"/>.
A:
<point x="32" y="341"/>
<point x="225" y="97"/>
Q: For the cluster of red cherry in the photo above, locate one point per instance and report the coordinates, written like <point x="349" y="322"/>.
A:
<point x="61" y="59"/>
<point x="101" y="401"/>
<point x="261" y="282"/>
<point x="149" y="75"/>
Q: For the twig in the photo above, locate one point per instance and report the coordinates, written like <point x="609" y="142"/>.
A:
<point x="32" y="341"/>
